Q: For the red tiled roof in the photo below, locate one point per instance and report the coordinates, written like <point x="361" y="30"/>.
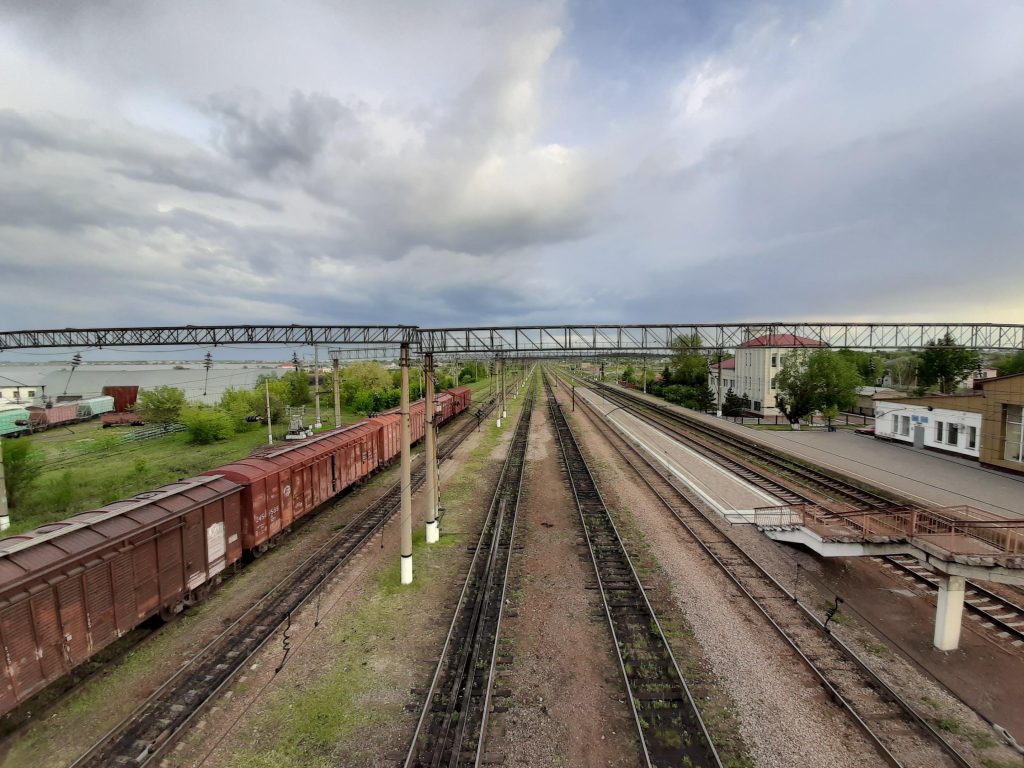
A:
<point x="726" y="364"/>
<point x="782" y="340"/>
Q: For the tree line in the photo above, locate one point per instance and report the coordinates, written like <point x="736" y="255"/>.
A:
<point x="819" y="381"/>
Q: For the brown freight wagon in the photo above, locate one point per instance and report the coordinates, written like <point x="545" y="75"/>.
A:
<point x="69" y="589"/>
<point x="124" y="397"/>
<point x="45" y="418"/>
<point x="283" y="485"/>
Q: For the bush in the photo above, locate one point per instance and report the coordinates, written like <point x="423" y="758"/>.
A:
<point x="206" y="425"/>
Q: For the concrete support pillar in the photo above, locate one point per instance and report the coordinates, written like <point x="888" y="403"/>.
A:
<point x="645" y="375"/>
<point x="431" y="444"/>
<point x="316" y="386"/>
<point x="5" y="515"/>
<point x="337" y="393"/>
<point x="949" y="613"/>
<point x="718" y="410"/>
<point x="405" y="515"/>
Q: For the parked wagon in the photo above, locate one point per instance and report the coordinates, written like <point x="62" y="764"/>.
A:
<point x="125" y="397"/>
<point x="89" y="407"/>
<point x="281" y="486"/>
<point x="71" y="588"/>
<point x="46" y="418"/>
<point x="13" y="420"/>
<point x="115" y="419"/>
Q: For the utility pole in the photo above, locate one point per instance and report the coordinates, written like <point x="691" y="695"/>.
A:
<point x="431" y="445"/>
<point x="405" y="516"/>
<point x="719" y="383"/>
<point x="5" y="515"/>
<point x="316" y="385"/>
<point x="75" y="362"/>
<point x="207" y="364"/>
<point x="337" y="390"/>
<point x="270" y="426"/>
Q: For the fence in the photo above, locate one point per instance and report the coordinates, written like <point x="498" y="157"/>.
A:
<point x="960" y="530"/>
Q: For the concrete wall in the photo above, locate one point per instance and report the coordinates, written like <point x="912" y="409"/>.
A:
<point x="897" y="422"/>
<point x="1006" y="390"/>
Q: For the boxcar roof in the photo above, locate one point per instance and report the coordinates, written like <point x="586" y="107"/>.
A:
<point x="78" y="535"/>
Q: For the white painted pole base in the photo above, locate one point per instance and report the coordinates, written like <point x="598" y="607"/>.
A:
<point x="504" y="414"/>
<point x="407" y="569"/>
<point x="5" y="522"/>
<point x="433" y="532"/>
<point x="949" y="613"/>
<point x="499" y="422"/>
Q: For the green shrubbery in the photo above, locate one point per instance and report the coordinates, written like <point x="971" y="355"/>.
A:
<point x="205" y="425"/>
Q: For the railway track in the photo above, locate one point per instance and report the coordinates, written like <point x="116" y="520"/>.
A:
<point x="753" y="462"/>
<point x="900" y="736"/>
<point x="453" y="722"/>
<point x="1002" y="615"/>
<point x="671" y="730"/>
<point x="155" y="725"/>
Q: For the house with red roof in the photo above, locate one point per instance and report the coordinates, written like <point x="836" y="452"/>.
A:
<point x="757" y="365"/>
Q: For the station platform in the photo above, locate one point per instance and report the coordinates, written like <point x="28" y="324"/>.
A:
<point x="925" y="477"/>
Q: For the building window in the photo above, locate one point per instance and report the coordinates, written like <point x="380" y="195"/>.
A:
<point x="972" y="437"/>
<point x="1013" y="440"/>
<point x="953" y="434"/>
<point x="905" y="426"/>
<point x="938" y="431"/>
<point x="774" y="380"/>
<point x="775" y="361"/>
<point x="31" y="393"/>
<point x="757" y="406"/>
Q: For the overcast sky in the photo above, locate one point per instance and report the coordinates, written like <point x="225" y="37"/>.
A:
<point x="455" y="163"/>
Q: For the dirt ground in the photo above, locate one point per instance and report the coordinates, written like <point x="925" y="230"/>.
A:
<point x="567" y="705"/>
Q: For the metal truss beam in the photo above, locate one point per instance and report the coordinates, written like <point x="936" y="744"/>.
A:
<point x="194" y="335"/>
<point x="526" y="341"/>
<point x="659" y="339"/>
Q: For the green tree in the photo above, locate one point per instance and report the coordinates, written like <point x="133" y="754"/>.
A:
<point x="22" y="460"/>
<point x="946" y="363"/>
<point x="206" y="425"/>
<point x="689" y="364"/>
<point x="293" y="388"/>
<point x="903" y="370"/>
<point x="240" y="404"/>
<point x="629" y="374"/>
<point x="817" y="381"/>
<point x="1012" y="363"/>
<point x="161" y="405"/>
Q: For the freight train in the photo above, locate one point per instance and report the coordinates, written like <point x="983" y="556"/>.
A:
<point x="69" y="589"/>
<point x="16" y="420"/>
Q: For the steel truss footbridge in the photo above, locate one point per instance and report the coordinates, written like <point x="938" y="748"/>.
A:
<point x="570" y="340"/>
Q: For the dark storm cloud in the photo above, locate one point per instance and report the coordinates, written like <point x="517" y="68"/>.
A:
<point x="266" y="140"/>
<point x="288" y="162"/>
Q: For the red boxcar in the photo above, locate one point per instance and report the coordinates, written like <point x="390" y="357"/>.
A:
<point x="463" y="396"/>
<point x="283" y="484"/>
<point x="44" y="418"/>
<point x="69" y="589"/>
<point x="124" y="397"/>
